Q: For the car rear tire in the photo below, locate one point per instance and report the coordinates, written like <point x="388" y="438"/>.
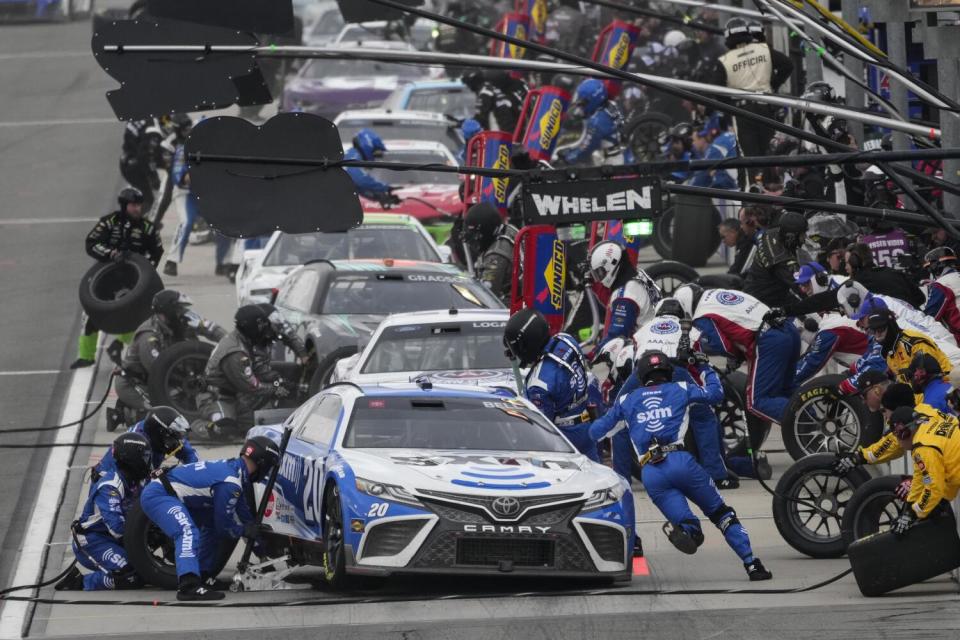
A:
<point x="816" y="423"/>
<point x="873" y="508"/>
<point x="117" y="295"/>
<point x="669" y="275"/>
<point x="176" y="377"/>
<point x="815" y="532"/>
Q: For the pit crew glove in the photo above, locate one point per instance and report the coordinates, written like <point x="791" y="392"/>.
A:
<point x="903" y="489"/>
<point x="811" y="325"/>
<point x="280" y="388"/>
<point x="388" y="199"/>
<point x="775" y="317"/>
<point x="847" y="462"/>
<point x="906" y="520"/>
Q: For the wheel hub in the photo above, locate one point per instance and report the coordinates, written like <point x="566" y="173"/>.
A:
<point x="828" y="503"/>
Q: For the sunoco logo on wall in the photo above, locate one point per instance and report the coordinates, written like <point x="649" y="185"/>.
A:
<point x="584" y="201"/>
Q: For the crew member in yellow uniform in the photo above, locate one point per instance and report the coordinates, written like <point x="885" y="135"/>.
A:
<point x="935" y="445"/>
<point x="897" y="345"/>
<point x="887" y="448"/>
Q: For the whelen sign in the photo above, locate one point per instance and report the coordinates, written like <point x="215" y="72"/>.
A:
<point x="588" y="200"/>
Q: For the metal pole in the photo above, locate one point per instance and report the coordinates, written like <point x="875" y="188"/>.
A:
<point x="948" y="73"/>
<point x="897" y="51"/>
<point x="854" y="94"/>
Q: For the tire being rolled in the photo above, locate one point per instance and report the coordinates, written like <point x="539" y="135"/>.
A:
<point x="181" y="366"/>
<point x="116" y="296"/>
<point x="867" y="507"/>
<point x="812" y="480"/>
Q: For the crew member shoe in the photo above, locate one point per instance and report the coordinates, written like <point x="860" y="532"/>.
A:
<point x="191" y="589"/>
<point x="762" y="467"/>
<point x="170" y="268"/>
<point x="73" y="581"/>
<point x="114" y="419"/>
<point x="81" y="363"/>
<point x="679" y="538"/>
<point x="756" y="571"/>
<point x="215" y="584"/>
<point x="730" y="482"/>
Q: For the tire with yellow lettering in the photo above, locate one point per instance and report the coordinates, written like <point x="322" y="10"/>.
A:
<point x="817" y="421"/>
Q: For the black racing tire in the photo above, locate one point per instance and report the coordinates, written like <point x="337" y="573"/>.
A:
<point x="151" y="552"/>
<point x="669" y="275"/>
<point x="176" y="377"/>
<point x="321" y="375"/>
<point x="815" y="423"/>
<point x="721" y="281"/>
<point x="815" y="532"/>
<point x="873" y="508"/>
<point x="733" y="415"/>
<point x="700" y="237"/>
<point x="642" y="135"/>
<point x="335" y="553"/>
<point x="117" y="295"/>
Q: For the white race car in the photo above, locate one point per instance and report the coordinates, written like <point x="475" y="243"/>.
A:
<point x="462" y="347"/>
<point x="381" y="235"/>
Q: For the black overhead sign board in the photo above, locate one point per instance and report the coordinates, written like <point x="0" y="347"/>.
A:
<point x="588" y="200"/>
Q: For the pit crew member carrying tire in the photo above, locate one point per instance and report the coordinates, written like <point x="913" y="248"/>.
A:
<point x="98" y="532"/>
<point x="114" y="235"/>
<point x="207" y="492"/>
<point x="172" y="322"/>
<point x="240" y="372"/>
<point x="559" y="382"/>
<point x="656" y="416"/>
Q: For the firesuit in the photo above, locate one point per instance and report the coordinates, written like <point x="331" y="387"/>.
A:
<point x="186" y="454"/>
<point x="663" y="333"/>
<point x="836" y="337"/>
<point x="562" y="387"/>
<point x="631" y="304"/>
<point x="941" y="302"/>
<point x="734" y="325"/>
<point x="98" y="533"/>
<point x="187" y="498"/>
<point x="657" y="417"/>
<point x="140" y="157"/>
<point x="367" y="145"/>
<point x="603" y="127"/>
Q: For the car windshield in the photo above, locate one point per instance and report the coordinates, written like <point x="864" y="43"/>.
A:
<point x="437" y="131"/>
<point x="329" y="24"/>
<point x="476" y="424"/>
<point x="415" y="176"/>
<point x="384" y="293"/>
<point x="438" y="347"/>
<point x="356" y="69"/>
<point x="371" y="242"/>
<point x="458" y="103"/>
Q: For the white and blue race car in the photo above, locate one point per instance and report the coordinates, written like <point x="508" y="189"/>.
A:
<point x="406" y="479"/>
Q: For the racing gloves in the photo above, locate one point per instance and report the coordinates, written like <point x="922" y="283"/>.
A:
<point x="903" y="489"/>
<point x="906" y="520"/>
<point x="847" y="462"/>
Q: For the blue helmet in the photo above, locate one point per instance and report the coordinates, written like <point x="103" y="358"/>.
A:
<point x="470" y="128"/>
<point x="369" y="144"/>
<point x="590" y="96"/>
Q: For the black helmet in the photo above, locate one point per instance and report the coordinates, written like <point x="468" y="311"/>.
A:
<point x="939" y="259"/>
<point x="669" y="307"/>
<point x="680" y="131"/>
<point x="480" y="226"/>
<point x="739" y="31"/>
<point x="792" y="226"/>
<point x="904" y="421"/>
<point x="166" y="429"/>
<point x="132" y="454"/>
<point x="263" y="452"/>
<point x="898" y="395"/>
<point x="253" y="322"/>
<point x="170" y="305"/>
<point x="129" y="195"/>
<point x="923" y="368"/>
<point x="820" y="91"/>
<point x="525" y="335"/>
<point x="653" y="367"/>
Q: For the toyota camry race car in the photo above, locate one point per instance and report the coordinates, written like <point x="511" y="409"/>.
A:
<point x="443" y="347"/>
<point x="391" y="479"/>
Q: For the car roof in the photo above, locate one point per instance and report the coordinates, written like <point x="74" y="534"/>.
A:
<point x="412" y="389"/>
<point x="445" y="315"/>
<point x="389" y="265"/>
<point x="427" y="117"/>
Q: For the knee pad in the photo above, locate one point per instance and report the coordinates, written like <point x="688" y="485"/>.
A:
<point x="724" y="518"/>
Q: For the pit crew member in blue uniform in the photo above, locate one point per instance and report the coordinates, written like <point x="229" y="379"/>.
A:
<point x="558" y="382"/>
<point x="368" y="146"/>
<point x="603" y="125"/>
<point x="656" y="416"/>
<point x="210" y="491"/>
<point x="98" y="533"/>
<point x="166" y="431"/>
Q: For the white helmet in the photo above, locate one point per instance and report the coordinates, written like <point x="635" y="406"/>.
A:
<point x="688" y="295"/>
<point x="605" y="261"/>
<point x="674" y="38"/>
<point x="850" y="296"/>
